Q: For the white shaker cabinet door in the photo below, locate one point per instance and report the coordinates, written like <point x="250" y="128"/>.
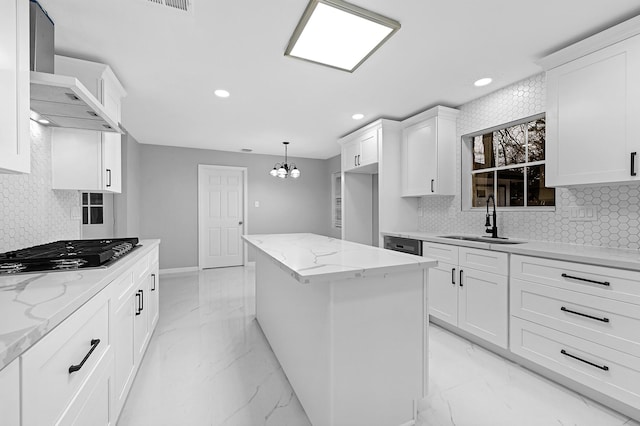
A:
<point x="15" y="139"/>
<point x="483" y="305"/>
<point x="443" y="292"/>
<point x="420" y="151"/>
<point x="593" y="105"/>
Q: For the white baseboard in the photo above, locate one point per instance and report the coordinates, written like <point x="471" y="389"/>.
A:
<point x="178" y="270"/>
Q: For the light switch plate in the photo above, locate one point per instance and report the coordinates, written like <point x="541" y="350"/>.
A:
<point x="583" y="213"/>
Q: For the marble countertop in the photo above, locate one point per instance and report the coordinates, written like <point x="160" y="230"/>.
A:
<point x="311" y="258"/>
<point x="602" y="256"/>
<point x="31" y="305"/>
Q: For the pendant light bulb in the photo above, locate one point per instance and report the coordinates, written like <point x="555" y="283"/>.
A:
<point x="274" y="172"/>
<point x="295" y="173"/>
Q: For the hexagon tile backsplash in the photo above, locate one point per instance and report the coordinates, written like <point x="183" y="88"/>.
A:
<point x="617" y="222"/>
<point x="31" y="212"/>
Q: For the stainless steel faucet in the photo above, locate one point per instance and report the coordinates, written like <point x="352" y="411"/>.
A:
<point x="491" y="229"/>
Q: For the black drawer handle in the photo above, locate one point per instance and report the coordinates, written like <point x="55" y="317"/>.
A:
<point x="109" y="173"/>
<point x="432" y="182"/>
<point x="453" y="276"/>
<point x="138" y="297"/>
<point x="141" y="300"/>
<point x="603" y="319"/>
<point x="587" y="280"/>
<point x="94" y="345"/>
<point x="601" y="367"/>
<point x="461" y="278"/>
<point x="633" y="164"/>
<point x="154" y="282"/>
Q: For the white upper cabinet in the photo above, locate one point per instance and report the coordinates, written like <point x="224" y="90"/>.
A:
<point x="593" y="105"/>
<point x="360" y="150"/>
<point x="82" y="159"/>
<point x="15" y="139"/>
<point x="428" y="161"/>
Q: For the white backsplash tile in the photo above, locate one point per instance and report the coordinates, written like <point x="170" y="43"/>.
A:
<point x="617" y="206"/>
<point x="30" y="211"/>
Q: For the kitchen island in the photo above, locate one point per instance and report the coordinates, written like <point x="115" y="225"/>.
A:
<point x="348" y="324"/>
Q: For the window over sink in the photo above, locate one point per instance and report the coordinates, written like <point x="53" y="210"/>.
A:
<point x="509" y="162"/>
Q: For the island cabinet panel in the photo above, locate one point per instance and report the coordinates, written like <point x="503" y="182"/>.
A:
<point x="354" y="349"/>
<point x="10" y="394"/>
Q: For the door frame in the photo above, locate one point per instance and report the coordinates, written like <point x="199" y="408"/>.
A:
<point x="245" y="202"/>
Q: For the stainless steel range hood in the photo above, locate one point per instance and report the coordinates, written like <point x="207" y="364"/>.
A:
<point x="65" y="102"/>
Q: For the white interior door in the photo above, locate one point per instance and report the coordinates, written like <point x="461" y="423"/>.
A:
<point x="220" y="216"/>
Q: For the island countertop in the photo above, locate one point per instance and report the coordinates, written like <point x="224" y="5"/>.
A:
<point x="311" y="258"/>
<point x="31" y="305"/>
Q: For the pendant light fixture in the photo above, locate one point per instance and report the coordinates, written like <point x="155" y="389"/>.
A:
<point x="285" y="170"/>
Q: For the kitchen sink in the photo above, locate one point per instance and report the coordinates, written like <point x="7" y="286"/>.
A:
<point x="481" y="239"/>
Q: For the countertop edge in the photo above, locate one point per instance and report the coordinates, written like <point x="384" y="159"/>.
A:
<point x="552" y="250"/>
<point x="420" y="264"/>
<point x="18" y="347"/>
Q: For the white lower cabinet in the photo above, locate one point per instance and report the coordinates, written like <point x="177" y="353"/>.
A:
<point x="579" y="320"/>
<point x="469" y="289"/>
<point x="81" y="372"/>
<point x="61" y="371"/>
<point x="10" y="394"/>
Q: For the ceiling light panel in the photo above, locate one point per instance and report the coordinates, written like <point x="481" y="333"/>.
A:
<point x="339" y="34"/>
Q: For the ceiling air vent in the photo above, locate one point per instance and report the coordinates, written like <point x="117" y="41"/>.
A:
<point x="182" y="5"/>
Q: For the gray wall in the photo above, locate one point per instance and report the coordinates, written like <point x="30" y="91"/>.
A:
<point x="333" y="165"/>
<point x="169" y="197"/>
<point x="127" y="203"/>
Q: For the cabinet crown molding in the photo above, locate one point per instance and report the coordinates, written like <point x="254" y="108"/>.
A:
<point x="437" y="111"/>
<point x="615" y="34"/>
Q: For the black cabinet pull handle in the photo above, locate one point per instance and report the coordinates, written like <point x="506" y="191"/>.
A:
<point x="109" y="175"/>
<point x="154" y="282"/>
<point x="633" y="163"/>
<point x="601" y="367"/>
<point x="587" y="280"/>
<point x="461" y="278"/>
<point x="358" y="159"/>
<point x="138" y="300"/>
<point x="603" y="319"/>
<point x="141" y="300"/>
<point x="94" y="345"/>
<point x="432" y="182"/>
<point x="453" y="276"/>
<point x="355" y="160"/>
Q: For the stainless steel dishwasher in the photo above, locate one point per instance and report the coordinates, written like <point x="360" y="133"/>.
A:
<point x="404" y="245"/>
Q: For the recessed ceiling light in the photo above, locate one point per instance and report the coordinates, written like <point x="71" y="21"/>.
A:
<point x="483" y="82"/>
<point x="339" y="34"/>
<point x="43" y="121"/>
<point x="221" y="93"/>
<point x="357" y="116"/>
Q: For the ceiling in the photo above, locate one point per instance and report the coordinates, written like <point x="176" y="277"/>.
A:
<point x="170" y="63"/>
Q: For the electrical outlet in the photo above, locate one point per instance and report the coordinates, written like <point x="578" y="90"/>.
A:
<point x="582" y="213"/>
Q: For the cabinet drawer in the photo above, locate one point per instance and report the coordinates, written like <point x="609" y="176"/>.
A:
<point x="605" y="321"/>
<point x="153" y="257"/>
<point x="484" y="260"/>
<point x="140" y="268"/>
<point x="441" y="252"/>
<point x="122" y="286"/>
<point x="596" y="280"/>
<point x="47" y="385"/>
<point x="542" y="345"/>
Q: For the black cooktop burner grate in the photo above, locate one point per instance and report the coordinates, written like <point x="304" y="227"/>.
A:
<point x="67" y="254"/>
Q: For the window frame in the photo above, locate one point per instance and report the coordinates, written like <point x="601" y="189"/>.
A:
<point x="89" y="205"/>
<point x="466" y="169"/>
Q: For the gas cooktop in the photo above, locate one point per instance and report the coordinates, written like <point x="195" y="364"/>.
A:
<point x="66" y="255"/>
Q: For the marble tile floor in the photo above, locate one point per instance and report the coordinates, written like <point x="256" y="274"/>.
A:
<point x="208" y="363"/>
